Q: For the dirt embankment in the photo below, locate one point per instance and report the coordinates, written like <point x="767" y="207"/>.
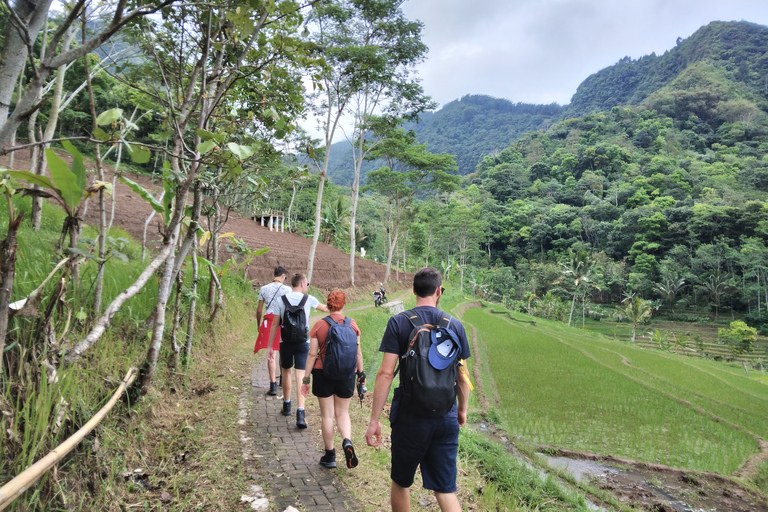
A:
<point x="331" y="268"/>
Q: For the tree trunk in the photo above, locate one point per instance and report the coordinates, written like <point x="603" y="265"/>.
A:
<point x="213" y="247"/>
<point x="192" y="304"/>
<point x="573" y="304"/>
<point x="146" y="225"/>
<point x="318" y="215"/>
<point x="97" y="294"/>
<point x="33" y="13"/>
<point x="114" y="306"/>
<point x="353" y="214"/>
<point x="12" y="156"/>
<point x="191" y="234"/>
<point x="114" y="186"/>
<point x="220" y="300"/>
<point x="147" y="370"/>
<point x="290" y="206"/>
<point x="392" y="239"/>
<point x="7" y="275"/>
<point x="173" y="360"/>
<point x="50" y="127"/>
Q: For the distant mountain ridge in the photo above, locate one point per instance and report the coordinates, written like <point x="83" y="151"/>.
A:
<point x="721" y="61"/>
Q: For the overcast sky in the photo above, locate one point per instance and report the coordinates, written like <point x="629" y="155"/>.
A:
<point x="539" y="51"/>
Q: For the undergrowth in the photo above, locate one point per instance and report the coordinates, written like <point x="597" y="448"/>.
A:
<point x="43" y="401"/>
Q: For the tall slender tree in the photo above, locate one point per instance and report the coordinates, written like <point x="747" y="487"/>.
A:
<point x="370" y="47"/>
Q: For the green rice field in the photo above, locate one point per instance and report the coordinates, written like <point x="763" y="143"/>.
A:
<point x="573" y="389"/>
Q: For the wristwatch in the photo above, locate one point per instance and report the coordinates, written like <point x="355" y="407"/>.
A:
<point x="305" y="380"/>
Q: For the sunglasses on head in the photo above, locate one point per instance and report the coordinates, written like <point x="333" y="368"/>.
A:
<point x="442" y="290"/>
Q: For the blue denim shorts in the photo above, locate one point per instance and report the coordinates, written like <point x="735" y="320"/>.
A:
<point x="432" y="443"/>
<point x="294" y="355"/>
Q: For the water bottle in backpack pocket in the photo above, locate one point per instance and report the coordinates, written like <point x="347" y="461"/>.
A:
<point x="340" y="359"/>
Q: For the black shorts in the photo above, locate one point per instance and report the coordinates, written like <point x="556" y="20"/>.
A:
<point x="294" y="355"/>
<point x="324" y="388"/>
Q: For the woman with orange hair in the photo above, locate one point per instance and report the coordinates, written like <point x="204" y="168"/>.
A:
<point x="333" y="395"/>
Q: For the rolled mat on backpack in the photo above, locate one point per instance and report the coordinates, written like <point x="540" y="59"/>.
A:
<point x="261" y="339"/>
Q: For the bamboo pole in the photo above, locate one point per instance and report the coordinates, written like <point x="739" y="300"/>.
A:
<point x="33" y="473"/>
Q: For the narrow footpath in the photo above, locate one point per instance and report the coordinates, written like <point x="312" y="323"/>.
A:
<point x="286" y="457"/>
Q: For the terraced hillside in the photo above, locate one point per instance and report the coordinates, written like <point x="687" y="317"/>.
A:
<point x="287" y="249"/>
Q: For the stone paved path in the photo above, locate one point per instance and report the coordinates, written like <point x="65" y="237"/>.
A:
<point x="289" y="457"/>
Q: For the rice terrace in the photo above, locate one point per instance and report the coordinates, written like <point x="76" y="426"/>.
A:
<point x="585" y="396"/>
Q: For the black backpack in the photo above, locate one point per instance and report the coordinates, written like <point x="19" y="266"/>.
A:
<point x="294" y="329"/>
<point x="427" y="392"/>
<point x="340" y="359"/>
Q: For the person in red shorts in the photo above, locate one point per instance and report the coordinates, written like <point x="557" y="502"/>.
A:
<point x="333" y="396"/>
<point x="270" y="293"/>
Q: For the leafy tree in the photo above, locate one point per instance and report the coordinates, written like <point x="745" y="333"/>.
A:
<point x="410" y="170"/>
<point x="370" y="48"/>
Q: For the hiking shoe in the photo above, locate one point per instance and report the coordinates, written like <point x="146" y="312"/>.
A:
<point x="300" y="419"/>
<point x="272" y="389"/>
<point x="349" y="453"/>
<point x="286" y="408"/>
<point x="329" y="459"/>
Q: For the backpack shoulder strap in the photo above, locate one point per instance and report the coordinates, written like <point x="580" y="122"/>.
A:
<point x="330" y="321"/>
<point x="413" y="317"/>
<point x="445" y="320"/>
<point x="285" y="301"/>
<point x="303" y="300"/>
<point x="347" y="321"/>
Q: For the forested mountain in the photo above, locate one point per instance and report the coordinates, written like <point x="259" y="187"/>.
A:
<point x="665" y="197"/>
<point x="737" y="50"/>
<point x="469" y="128"/>
<point x="721" y="61"/>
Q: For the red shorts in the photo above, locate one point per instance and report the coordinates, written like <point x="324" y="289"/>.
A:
<point x="261" y="340"/>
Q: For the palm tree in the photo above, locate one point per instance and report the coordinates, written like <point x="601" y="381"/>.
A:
<point x="716" y="285"/>
<point x="636" y="309"/>
<point x="335" y="220"/>
<point x="579" y="268"/>
<point x="669" y="290"/>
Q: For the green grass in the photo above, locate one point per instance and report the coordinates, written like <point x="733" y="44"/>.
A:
<point x="510" y="483"/>
<point x="564" y="387"/>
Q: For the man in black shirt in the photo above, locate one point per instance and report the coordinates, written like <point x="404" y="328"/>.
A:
<point x="431" y="443"/>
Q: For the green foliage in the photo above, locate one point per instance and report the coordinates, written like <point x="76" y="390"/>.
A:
<point x="512" y="484"/>
<point x="740" y="336"/>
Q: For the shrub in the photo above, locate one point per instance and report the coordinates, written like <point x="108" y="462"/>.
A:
<point x="740" y="336"/>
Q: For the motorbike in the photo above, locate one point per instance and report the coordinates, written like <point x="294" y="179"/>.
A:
<point x="378" y="299"/>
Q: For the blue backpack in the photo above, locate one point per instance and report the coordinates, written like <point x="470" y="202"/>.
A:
<point x="340" y="359"/>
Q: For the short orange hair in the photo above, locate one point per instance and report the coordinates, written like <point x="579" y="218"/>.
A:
<point x="336" y="300"/>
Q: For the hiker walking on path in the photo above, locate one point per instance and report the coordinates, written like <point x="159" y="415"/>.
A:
<point x="293" y="310"/>
<point x="425" y="419"/>
<point x="270" y="293"/>
<point x="336" y="340"/>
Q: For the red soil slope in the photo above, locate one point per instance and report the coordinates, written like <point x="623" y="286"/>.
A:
<point x="331" y="268"/>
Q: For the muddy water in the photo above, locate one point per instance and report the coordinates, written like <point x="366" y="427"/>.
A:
<point x="652" y="489"/>
<point x="657" y="490"/>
